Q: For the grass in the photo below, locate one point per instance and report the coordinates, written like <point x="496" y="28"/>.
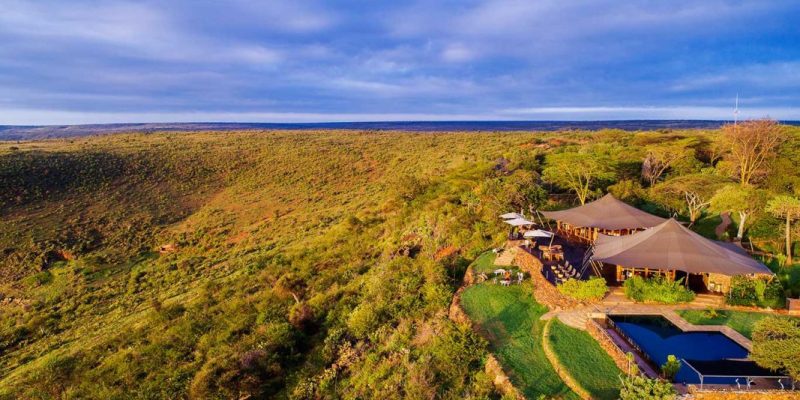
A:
<point x="484" y="263"/>
<point x="585" y="360"/>
<point x="707" y="225"/>
<point x="509" y="318"/>
<point x="740" y="321"/>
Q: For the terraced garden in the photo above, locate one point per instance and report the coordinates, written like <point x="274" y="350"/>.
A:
<point x="509" y="318"/>
<point x="585" y="361"/>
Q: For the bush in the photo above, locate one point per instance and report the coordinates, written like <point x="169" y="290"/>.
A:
<point x="657" y="289"/>
<point x="759" y="292"/>
<point x="592" y="289"/>
<point x="670" y="368"/>
<point x="637" y="387"/>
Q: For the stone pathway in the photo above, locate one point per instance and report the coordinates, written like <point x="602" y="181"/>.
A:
<point x="506" y="258"/>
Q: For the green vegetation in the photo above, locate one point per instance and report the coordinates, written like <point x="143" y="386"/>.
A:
<point x="762" y="292"/>
<point x="592" y="289"/>
<point x="658" y="289"/>
<point x="484" y="264"/>
<point x="295" y="265"/>
<point x="776" y="345"/>
<point x="740" y="321"/>
<point x="670" y="368"/>
<point x="585" y="360"/>
<point x="638" y="387"/>
<point x="314" y="264"/>
<point x="509" y="318"/>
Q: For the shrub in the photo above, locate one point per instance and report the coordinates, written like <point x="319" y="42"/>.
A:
<point x="759" y="292"/>
<point x="657" y="289"/>
<point x="776" y="345"/>
<point x="637" y="387"/>
<point x="592" y="289"/>
<point x="670" y="368"/>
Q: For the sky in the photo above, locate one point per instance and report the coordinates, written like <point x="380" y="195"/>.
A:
<point x="75" y="62"/>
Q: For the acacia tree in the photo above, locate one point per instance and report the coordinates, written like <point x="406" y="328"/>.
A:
<point x="690" y="192"/>
<point x="744" y="200"/>
<point x="578" y="172"/>
<point x="776" y="345"/>
<point x="787" y="207"/>
<point x="661" y="157"/>
<point x="751" y="144"/>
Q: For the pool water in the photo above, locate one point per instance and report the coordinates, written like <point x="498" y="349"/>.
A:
<point x="657" y="337"/>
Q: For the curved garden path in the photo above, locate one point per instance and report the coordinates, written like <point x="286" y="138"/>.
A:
<point x="723" y="226"/>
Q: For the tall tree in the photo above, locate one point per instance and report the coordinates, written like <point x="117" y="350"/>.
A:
<point x="776" y="345"/>
<point x="691" y="193"/>
<point x="578" y="172"/>
<point x="752" y="144"/>
<point x="661" y="157"/>
<point x="743" y="200"/>
<point x="787" y="207"/>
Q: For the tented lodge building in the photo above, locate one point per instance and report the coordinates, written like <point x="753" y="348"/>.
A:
<point x="625" y="241"/>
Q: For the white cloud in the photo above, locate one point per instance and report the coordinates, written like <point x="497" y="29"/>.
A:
<point x="457" y="52"/>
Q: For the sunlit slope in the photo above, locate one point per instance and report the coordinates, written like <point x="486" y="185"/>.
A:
<point x="253" y="220"/>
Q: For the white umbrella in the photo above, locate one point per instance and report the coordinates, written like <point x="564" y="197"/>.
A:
<point x="518" y="222"/>
<point x="512" y="215"/>
<point x="538" y="233"/>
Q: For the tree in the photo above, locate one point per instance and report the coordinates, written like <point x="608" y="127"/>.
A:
<point x="787" y="207"/>
<point x="752" y="145"/>
<point x="691" y="193"/>
<point x="742" y="199"/>
<point x="776" y="345"/>
<point x="661" y="157"/>
<point x="578" y="172"/>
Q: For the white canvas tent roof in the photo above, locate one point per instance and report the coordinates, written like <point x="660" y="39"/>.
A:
<point x="672" y="246"/>
<point x="606" y="212"/>
<point x="512" y="215"/>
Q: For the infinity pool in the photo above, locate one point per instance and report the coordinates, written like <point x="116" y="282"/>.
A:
<point x="657" y="338"/>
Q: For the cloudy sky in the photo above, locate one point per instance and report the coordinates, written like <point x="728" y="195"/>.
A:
<point x="65" y="62"/>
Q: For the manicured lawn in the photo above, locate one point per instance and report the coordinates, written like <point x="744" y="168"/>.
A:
<point x="740" y="321"/>
<point x="585" y="360"/>
<point x="509" y="319"/>
<point x="484" y="263"/>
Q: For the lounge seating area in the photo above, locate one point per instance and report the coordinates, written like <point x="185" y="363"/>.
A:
<point x="563" y="272"/>
<point x="503" y="277"/>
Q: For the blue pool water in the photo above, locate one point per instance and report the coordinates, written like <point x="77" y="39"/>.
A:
<point x="658" y="338"/>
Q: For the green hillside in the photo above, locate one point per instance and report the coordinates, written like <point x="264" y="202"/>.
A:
<point x="295" y="264"/>
<point x="287" y="274"/>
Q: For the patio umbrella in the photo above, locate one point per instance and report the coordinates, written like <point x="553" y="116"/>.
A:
<point x="512" y="215"/>
<point x="518" y="222"/>
<point x="538" y="233"/>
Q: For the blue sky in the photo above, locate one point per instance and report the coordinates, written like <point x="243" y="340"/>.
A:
<point x="67" y="62"/>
